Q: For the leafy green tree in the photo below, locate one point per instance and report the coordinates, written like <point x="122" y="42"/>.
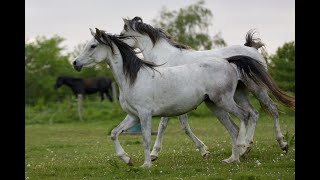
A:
<point x="190" y="26"/>
<point x="282" y="66"/>
<point x="44" y="62"/>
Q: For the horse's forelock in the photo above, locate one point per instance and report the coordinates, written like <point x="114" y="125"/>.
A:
<point x="105" y="39"/>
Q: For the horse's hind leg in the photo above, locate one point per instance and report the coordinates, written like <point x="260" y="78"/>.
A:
<point x="200" y="145"/>
<point x="228" y="123"/>
<point x="227" y="102"/>
<point x="127" y="123"/>
<point x="241" y="97"/>
<point x="266" y="102"/>
<point x="102" y="95"/>
<point x="158" y="143"/>
<point x="109" y="96"/>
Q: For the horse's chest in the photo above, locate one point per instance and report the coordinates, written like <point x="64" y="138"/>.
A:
<point x="91" y="90"/>
<point x="125" y="105"/>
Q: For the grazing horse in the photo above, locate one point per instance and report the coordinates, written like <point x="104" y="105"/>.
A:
<point x="81" y="87"/>
<point x="85" y="86"/>
<point x="147" y="90"/>
<point x="159" y="47"/>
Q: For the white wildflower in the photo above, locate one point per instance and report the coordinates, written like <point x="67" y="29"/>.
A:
<point x="258" y="162"/>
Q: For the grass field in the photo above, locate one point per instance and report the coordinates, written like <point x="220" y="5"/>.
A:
<point x="84" y="150"/>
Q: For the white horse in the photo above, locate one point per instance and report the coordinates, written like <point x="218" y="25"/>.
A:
<point x="157" y="46"/>
<point x="147" y="90"/>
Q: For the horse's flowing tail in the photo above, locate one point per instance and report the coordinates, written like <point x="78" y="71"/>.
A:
<point x="255" y="42"/>
<point x="249" y="67"/>
<point x="251" y="41"/>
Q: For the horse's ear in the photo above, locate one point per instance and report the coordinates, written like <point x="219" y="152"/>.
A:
<point x="125" y="21"/>
<point x="92" y="33"/>
<point x="98" y="32"/>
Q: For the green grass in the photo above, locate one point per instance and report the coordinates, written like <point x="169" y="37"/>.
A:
<point x="69" y="149"/>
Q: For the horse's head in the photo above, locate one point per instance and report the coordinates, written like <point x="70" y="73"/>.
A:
<point x="144" y="35"/>
<point x="95" y="51"/>
<point x="137" y="30"/>
<point x="59" y="82"/>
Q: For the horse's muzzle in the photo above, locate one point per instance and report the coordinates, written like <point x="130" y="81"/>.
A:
<point x="76" y="66"/>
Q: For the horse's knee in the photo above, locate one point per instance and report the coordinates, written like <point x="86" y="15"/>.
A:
<point x="254" y="115"/>
<point x="273" y="108"/>
<point x="163" y="125"/>
<point x="113" y="135"/>
<point x="186" y="130"/>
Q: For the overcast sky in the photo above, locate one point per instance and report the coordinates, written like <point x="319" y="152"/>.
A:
<point x="71" y="19"/>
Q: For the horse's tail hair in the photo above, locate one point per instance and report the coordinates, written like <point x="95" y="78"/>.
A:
<point x="251" y="41"/>
<point x="249" y="67"/>
<point x="255" y="42"/>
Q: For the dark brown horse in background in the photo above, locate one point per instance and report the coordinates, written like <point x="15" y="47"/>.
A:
<point x="84" y="86"/>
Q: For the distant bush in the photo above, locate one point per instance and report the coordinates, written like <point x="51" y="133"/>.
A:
<point x="66" y="111"/>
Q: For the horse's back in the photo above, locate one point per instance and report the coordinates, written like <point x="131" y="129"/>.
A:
<point x="104" y="82"/>
<point x="225" y="52"/>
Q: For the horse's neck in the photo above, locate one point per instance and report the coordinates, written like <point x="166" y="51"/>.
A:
<point x="116" y="64"/>
<point x="160" y="52"/>
<point x="70" y="82"/>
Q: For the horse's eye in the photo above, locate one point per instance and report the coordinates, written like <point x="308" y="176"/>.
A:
<point x="93" y="46"/>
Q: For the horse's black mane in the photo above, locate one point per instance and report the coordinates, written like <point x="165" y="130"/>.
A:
<point x="154" y="33"/>
<point x="131" y="62"/>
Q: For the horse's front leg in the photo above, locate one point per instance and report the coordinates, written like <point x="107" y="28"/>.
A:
<point x="146" y="127"/>
<point x="127" y="123"/>
<point x="157" y="145"/>
<point x="80" y="106"/>
<point x="109" y="96"/>
<point x="200" y="145"/>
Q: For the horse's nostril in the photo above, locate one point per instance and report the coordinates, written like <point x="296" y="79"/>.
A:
<point x="74" y="63"/>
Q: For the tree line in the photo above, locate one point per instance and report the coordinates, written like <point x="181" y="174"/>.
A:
<point x="45" y="61"/>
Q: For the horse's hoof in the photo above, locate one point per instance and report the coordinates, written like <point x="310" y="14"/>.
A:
<point x="153" y="158"/>
<point x="145" y="165"/>
<point x="206" y="155"/>
<point x="246" y="153"/>
<point x="286" y="149"/>
<point x="242" y="150"/>
<point x="130" y="163"/>
<point x="231" y="160"/>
